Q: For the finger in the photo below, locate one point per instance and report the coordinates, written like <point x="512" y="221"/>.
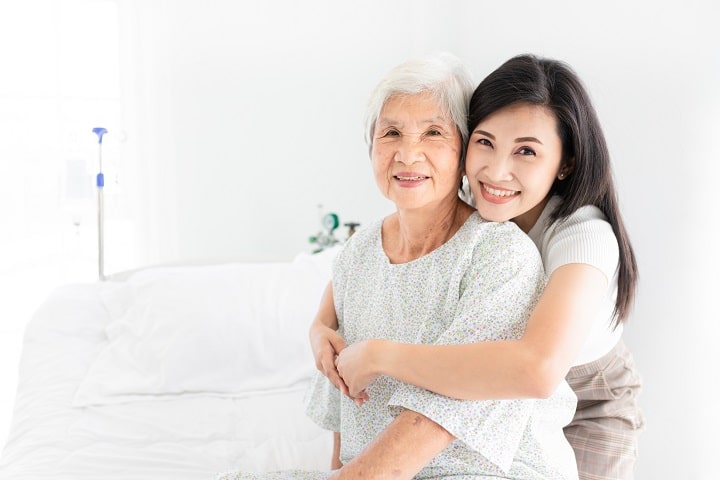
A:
<point x="337" y="342"/>
<point x="322" y="360"/>
<point x="332" y="374"/>
<point x="361" y="398"/>
<point x="356" y="393"/>
<point x="328" y="365"/>
<point x="340" y="384"/>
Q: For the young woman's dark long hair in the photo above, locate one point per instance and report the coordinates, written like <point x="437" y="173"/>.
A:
<point x="553" y="84"/>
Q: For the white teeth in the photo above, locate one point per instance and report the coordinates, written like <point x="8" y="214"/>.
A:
<point x="409" y="179"/>
<point x="500" y="193"/>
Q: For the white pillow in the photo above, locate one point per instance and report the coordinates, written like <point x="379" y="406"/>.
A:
<point x="232" y="330"/>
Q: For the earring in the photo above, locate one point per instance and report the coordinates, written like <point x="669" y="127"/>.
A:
<point x="561" y="176"/>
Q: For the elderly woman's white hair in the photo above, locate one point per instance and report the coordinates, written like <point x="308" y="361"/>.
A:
<point x="443" y="75"/>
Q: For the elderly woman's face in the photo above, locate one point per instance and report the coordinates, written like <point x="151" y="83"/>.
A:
<point x="416" y="152"/>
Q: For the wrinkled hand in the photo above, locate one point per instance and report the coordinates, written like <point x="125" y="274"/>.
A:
<point x="355" y="366"/>
<point x="326" y="344"/>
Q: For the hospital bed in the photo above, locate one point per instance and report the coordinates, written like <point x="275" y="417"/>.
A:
<point x="178" y="372"/>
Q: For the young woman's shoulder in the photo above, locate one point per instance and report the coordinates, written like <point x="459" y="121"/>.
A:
<point x="585" y="236"/>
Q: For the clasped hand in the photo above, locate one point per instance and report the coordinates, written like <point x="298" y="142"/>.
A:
<point x="349" y="368"/>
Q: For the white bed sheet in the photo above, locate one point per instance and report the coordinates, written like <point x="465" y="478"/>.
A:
<point x="186" y="437"/>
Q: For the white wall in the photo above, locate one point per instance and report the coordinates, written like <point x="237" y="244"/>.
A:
<point x="264" y="121"/>
<point x="243" y="116"/>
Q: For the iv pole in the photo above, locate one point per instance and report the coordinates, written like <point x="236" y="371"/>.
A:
<point x="100" y="183"/>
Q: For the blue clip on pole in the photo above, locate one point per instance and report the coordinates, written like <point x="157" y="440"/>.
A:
<point x="100" y="183"/>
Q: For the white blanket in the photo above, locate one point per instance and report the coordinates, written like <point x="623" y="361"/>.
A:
<point x="151" y="435"/>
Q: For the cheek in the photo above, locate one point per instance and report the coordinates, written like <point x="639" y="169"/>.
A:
<point x="382" y="173"/>
<point x="379" y="173"/>
<point x="452" y="159"/>
<point x="472" y="163"/>
<point x="380" y="160"/>
<point x="539" y="184"/>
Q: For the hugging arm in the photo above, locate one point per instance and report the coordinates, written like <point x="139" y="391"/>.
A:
<point x="530" y="367"/>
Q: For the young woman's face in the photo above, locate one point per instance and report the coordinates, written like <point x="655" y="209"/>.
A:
<point x="513" y="158"/>
<point x="416" y="152"/>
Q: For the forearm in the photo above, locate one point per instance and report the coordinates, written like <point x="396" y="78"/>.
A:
<point x="473" y="371"/>
<point x="326" y="342"/>
<point x="326" y="315"/>
<point x="476" y="371"/>
<point x="529" y="367"/>
<point x="400" y="451"/>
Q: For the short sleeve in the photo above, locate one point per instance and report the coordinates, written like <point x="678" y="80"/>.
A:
<point x="322" y="403"/>
<point x="496" y="296"/>
<point x="584" y="237"/>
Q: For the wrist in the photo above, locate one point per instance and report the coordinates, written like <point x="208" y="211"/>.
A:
<point x="314" y="330"/>
<point x="325" y="321"/>
<point x="316" y="325"/>
<point x="381" y="357"/>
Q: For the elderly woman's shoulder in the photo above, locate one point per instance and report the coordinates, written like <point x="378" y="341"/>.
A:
<point x="500" y="228"/>
<point x="505" y="236"/>
<point x="369" y="231"/>
<point x="364" y="237"/>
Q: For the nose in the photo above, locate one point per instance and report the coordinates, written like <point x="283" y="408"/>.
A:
<point x="499" y="168"/>
<point x="410" y="149"/>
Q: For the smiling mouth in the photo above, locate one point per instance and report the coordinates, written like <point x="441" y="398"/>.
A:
<point x="500" y="193"/>
<point x="410" y="179"/>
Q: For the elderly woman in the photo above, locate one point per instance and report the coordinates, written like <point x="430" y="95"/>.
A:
<point x="434" y="272"/>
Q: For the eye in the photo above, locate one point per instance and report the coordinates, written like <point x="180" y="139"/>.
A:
<point x="485" y="142"/>
<point x="391" y="132"/>
<point x="435" y="132"/>
<point x="526" y="151"/>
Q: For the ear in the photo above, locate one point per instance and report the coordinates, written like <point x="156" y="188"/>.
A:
<point x="566" y="169"/>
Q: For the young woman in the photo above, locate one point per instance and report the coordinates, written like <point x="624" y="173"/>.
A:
<point x="536" y="155"/>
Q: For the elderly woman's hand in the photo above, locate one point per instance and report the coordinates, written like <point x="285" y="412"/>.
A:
<point x="358" y="365"/>
<point x="326" y="344"/>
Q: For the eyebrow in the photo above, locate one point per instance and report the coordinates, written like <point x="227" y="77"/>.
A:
<point x="430" y="121"/>
<point x="527" y="139"/>
<point x="517" y="140"/>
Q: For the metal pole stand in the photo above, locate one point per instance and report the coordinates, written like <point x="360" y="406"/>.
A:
<point x="100" y="183"/>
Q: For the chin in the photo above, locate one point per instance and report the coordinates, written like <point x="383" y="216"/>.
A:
<point x="493" y="214"/>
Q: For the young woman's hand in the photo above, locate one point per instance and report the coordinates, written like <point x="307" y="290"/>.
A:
<point x="326" y="344"/>
<point x="358" y="364"/>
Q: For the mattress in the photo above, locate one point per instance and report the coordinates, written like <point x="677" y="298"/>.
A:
<point x="186" y="434"/>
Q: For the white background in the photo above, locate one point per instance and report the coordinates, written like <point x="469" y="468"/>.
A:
<point x="231" y="121"/>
